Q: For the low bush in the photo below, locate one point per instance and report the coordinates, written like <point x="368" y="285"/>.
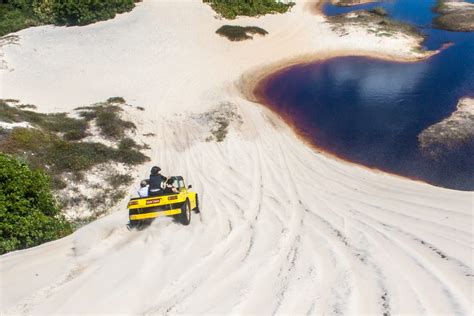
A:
<point x="108" y="119"/>
<point x="230" y="9"/>
<point x="47" y="150"/>
<point x="116" y="100"/>
<point x="53" y="153"/>
<point x="82" y="12"/>
<point x="379" y="11"/>
<point x="240" y="33"/>
<point x="118" y="180"/>
<point x="16" y="15"/>
<point x="19" y="14"/>
<point x="29" y="213"/>
<point x="52" y="145"/>
<point x="73" y="129"/>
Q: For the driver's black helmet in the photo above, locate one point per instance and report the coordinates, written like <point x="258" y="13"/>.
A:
<point x="155" y="170"/>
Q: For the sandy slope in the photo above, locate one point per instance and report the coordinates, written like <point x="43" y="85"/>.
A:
<point x="283" y="228"/>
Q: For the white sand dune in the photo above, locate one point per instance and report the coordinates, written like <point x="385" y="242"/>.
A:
<point x="283" y="229"/>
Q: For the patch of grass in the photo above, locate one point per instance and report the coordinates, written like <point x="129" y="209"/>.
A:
<point x="379" y="11"/>
<point x="119" y="100"/>
<point x="108" y="119"/>
<point x="111" y="125"/>
<point x="53" y="144"/>
<point x="19" y="14"/>
<point x="230" y="9"/>
<point x="73" y="129"/>
<point x="240" y="33"/>
<point x="11" y="100"/>
<point x="440" y="6"/>
<point x="26" y="106"/>
<point x="219" y="120"/>
<point x="128" y="152"/>
<point x="117" y="195"/>
<point x="118" y="180"/>
<point x="221" y="131"/>
<point x="378" y="21"/>
<point x="456" y="21"/>
<point x="45" y="150"/>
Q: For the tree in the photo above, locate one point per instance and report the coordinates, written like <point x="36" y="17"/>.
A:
<point x="29" y="214"/>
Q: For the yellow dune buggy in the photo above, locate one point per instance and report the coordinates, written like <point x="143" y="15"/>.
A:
<point x="177" y="205"/>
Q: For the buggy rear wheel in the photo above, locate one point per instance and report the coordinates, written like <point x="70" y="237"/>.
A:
<point x="133" y="223"/>
<point x="185" y="216"/>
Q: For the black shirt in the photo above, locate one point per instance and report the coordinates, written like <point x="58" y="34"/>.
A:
<point x="156" y="181"/>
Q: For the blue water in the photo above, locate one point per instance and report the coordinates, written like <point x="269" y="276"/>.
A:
<point x="371" y="111"/>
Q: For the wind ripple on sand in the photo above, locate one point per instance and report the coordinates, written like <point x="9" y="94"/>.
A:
<point x="282" y="230"/>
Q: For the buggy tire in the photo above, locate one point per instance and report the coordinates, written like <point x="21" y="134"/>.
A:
<point x="185" y="216"/>
<point x="196" y="209"/>
<point x="132" y="223"/>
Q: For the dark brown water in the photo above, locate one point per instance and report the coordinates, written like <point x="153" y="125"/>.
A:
<point x="371" y="111"/>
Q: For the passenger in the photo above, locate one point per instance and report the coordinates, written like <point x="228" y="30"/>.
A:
<point x="156" y="184"/>
<point x="143" y="191"/>
<point x="169" y="186"/>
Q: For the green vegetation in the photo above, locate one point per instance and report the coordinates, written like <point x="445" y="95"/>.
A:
<point x="230" y="9"/>
<point x="349" y="3"/>
<point x="240" y="33"/>
<point x="119" y="100"/>
<point x="379" y="11"/>
<point x="117" y="180"/>
<point x="456" y="18"/>
<point x="440" y="6"/>
<point x="107" y="119"/>
<point x="29" y="213"/>
<point x="81" y="12"/>
<point x="220" y="119"/>
<point x="16" y="15"/>
<point x="54" y="146"/>
<point x="72" y="129"/>
<point x="45" y="149"/>
<point x="220" y="132"/>
<point x="19" y="14"/>
<point x="53" y="153"/>
<point x="376" y="21"/>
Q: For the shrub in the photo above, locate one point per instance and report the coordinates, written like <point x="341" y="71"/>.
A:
<point x="19" y="14"/>
<point x="108" y="120"/>
<point x="240" y="33"/>
<point x="379" y="11"/>
<point x="43" y="9"/>
<point x="29" y="214"/>
<point x="230" y="9"/>
<point x="73" y="129"/>
<point x="127" y="143"/>
<point x="81" y="12"/>
<point x="116" y="100"/>
<point x="130" y="156"/>
<point x="118" y="180"/>
<point x="16" y="16"/>
<point x="50" y="152"/>
<point x="111" y="125"/>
